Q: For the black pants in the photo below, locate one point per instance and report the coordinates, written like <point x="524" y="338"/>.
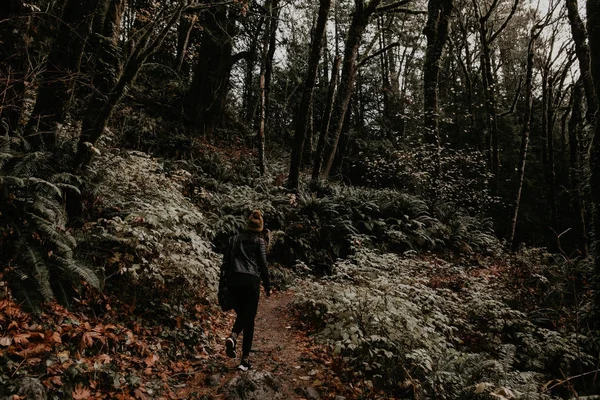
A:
<point x="246" y="305"/>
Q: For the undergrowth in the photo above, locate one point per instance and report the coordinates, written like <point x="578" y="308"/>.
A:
<point x="393" y="326"/>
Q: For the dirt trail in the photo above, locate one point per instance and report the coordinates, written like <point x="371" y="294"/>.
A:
<point x="278" y="348"/>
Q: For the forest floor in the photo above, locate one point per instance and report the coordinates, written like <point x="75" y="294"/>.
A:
<point x="302" y="368"/>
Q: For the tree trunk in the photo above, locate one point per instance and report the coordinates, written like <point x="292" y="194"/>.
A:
<point x="184" y="31"/>
<point x="13" y="67"/>
<point x="524" y="140"/>
<point x="593" y="27"/>
<point x="249" y="101"/>
<point x="208" y="91"/>
<point x="307" y="94"/>
<point x="274" y="22"/>
<point x="325" y="121"/>
<point x="360" y="19"/>
<point x="144" y="49"/>
<point x="436" y="31"/>
<point x="345" y="137"/>
<point x="486" y="38"/>
<point x="575" y="170"/>
<point x="60" y="72"/>
<point x="107" y="25"/>
<point x="550" y="169"/>
<point x="583" y="55"/>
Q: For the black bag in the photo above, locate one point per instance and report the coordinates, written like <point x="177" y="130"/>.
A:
<point x="225" y="294"/>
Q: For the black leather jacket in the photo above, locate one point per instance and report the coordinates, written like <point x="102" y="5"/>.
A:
<point x="246" y="255"/>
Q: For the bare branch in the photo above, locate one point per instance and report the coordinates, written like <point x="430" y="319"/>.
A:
<point x="378" y="52"/>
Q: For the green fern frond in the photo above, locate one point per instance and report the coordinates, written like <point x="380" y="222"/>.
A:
<point x="71" y="266"/>
<point x="12" y="181"/>
<point x="48" y="209"/>
<point x="34" y="262"/>
<point x="4" y="157"/>
<point x="60" y="241"/>
<point x="30" y="164"/>
<point x="65" y="177"/>
<point x="65" y="187"/>
<point x="46" y="188"/>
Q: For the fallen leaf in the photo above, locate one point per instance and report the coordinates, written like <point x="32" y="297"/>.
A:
<point x="63" y="356"/>
<point x="55" y="380"/>
<point x="5" y="341"/>
<point x="81" y="392"/>
<point x="104" y="359"/>
<point x="30" y="352"/>
<point x="56" y="337"/>
<point x="150" y="360"/>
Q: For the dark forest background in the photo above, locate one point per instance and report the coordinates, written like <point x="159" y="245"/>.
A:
<point x="482" y="112"/>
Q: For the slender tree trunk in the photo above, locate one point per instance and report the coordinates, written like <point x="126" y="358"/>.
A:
<point x="307" y="152"/>
<point x="60" y="72"/>
<point x="345" y="137"/>
<point x="307" y="94"/>
<point x="249" y="103"/>
<point x="436" y="31"/>
<point x="13" y="66"/>
<point x="575" y="171"/>
<point x="525" y="130"/>
<point x="325" y="121"/>
<point x="184" y="31"/>
<point x="491" y="117"/>
<point x="274" y="15"/>
<point x="550" y="169"/>
<point x="360" y="19"/>
<point x="593" y="27"/>
<point x="468" y="83"/>
<point x="583" y="55"/>
<point x="486" y="37"/>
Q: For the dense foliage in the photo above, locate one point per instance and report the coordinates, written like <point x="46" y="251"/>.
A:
<point x="398" y="150"/>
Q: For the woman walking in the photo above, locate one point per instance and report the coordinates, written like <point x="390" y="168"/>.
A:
<point x="244" y="265"/>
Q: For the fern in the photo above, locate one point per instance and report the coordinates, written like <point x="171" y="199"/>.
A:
<point x="33" y="222"/>
<point x="44" y="187"/>
<point x="34" y="262"/>
<point x="71" y="266"/>
<point x="30" y="164"/>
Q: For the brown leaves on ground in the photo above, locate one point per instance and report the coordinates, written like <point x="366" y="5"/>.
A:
<point x="116" y="355"/>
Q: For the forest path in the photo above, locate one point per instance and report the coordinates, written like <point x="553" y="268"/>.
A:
<point x="279" y="348"/>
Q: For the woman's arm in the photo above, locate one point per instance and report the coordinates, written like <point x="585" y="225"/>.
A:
<point x="261" y="260"/>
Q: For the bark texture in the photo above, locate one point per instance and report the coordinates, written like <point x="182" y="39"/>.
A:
<point x="302" y="116"/>
<point x="574" y="127"/>
<point x="524" y="141"/>
<point x="436" y="31"/>
<point x="360" y="19"/>
<point x="208" y="92"/>
<point x="583" y="56"/>
<point x="593" y="27"/>
<point x="60" y="72"/>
